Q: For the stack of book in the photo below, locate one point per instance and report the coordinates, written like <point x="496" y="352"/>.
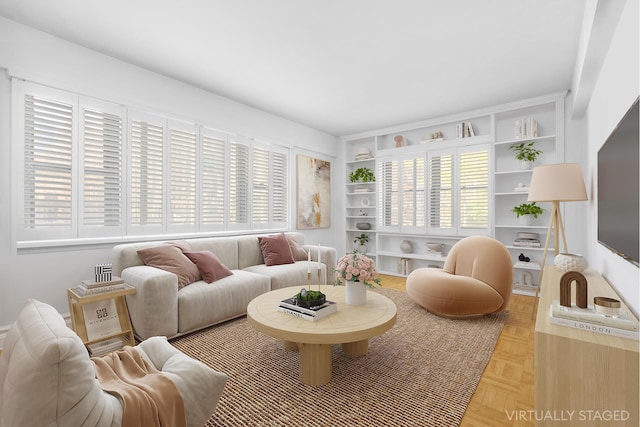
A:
<point x="405" y="266"/>
<point x="527" y="240"/>
<point x="588" y="319"/>
<point x="90" y="287"/>
<point x="103" y="347"/>
<point x="464" y="130"/>
<point x="311" y="314"/>
<point x="526" y="127"/>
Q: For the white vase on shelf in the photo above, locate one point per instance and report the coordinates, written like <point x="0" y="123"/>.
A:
<point x="525" y="219"/>
<point x="355" y="293"/>
<point x="526" y="165"/>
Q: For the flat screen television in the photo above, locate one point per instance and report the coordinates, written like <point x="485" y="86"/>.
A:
<point x="618" y="188"/>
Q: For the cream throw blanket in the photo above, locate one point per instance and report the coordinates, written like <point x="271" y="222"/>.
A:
<point x="149" y="398"/>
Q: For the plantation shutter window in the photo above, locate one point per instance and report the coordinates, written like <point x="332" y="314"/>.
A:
<point x="99" y="171"/>
<point x="474" y="190"/>
<point x="413" y="193"/>
<point x="388" y="195"/>
<point x="441" y="192"/>
<point x="238" y="183"/>
<point x="146" y="207"/>
<point x="260" y="186"/>
<point x="182" y="177"/>
<point x="279" y="179"/>
<point x="213" y="187"/>
<point x="47" y="179"/>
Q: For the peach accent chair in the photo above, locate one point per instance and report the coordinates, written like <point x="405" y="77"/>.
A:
<point x="477" y="279"/>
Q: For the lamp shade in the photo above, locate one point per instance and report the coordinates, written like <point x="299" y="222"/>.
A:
<point x="562" y="182"/>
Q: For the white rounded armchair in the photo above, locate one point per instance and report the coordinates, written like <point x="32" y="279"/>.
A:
<point x="48" y="379"/>
<point x="477" y="278"/>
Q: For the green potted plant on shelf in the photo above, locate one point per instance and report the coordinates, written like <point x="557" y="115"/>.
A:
<point x="363" y="174"/>
<point x="526" y="212"/>
<point x="361" y="242"/>
<point x="526" y="153"/>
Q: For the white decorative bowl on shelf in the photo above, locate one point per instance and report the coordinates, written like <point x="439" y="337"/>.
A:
<point x="435" y="247"/>
<point x="570" y="262"/>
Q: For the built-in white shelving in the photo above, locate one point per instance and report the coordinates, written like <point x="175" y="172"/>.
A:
<point x="495" y="126"/>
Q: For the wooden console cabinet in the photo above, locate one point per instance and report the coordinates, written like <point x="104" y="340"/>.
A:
<point x="582" y="378"/>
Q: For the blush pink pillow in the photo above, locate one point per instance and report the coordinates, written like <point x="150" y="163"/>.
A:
<point x="275" y="249"/>
<point x="299" y="253"/>
<point x="209" y="265"/>
<point x="169" y="257"/>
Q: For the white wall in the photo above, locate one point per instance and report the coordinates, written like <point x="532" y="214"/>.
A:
<point x="616" y="89"/>
<point x="36" y="56"/>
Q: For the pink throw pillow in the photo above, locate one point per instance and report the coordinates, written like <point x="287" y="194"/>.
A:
<point x="275" y="249"/>
<point x="169" y="257"/>
<point x="299" y="253"/>
<point x="210" y="266"/>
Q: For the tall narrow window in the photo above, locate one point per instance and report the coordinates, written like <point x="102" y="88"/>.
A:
<point x="441" y="192"/>
<point x="101" y="172"/>
<point x="413" y="191"/>
<point x="147" y="189"/>
<point x="48" y="164"/>
<point x="182" y="177"/>
<point x="238" y="183"/>
<point x="279" y="180"/>
<point x="388" y="195"/>
<point x="213" y="157"/>
<point x="474" y="189"/>
<point x="260" y="186"/>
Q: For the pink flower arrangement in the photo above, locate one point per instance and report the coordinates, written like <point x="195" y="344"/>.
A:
<point x="356" y="267"/>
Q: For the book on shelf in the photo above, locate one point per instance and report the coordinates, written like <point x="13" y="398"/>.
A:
<point x="404" y="266"/>
<point x="526" y="127"/>
<point x="521" y="189"/>
<point x="90" y="284"/>
<point x="311" y="314"/>
<point x="526" y="264"/>
<point x="527" y="243"/>
<point x="592" y="327"/>
<point x="464" y="130"/>
<point x="622" y="321"/>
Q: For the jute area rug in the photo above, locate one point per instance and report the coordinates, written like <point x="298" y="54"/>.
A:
<point x="422" y="372"/>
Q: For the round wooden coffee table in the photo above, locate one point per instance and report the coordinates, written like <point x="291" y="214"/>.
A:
<point x="351" y="326"/>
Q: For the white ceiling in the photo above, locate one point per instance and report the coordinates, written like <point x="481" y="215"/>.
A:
<point x="340" y="66"/>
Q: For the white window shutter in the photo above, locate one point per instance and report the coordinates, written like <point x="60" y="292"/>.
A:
<point x="413" y="194"/>
<point x="146" y="205"/>
<point x="388" y="195"/>
<point x="474" y="189"/>
<point x="101" y="210"/>
<point x="182" y="177"/>
<point x="441" y="181"/>
<point x="213" y="175"/>
<point x="47" y="200"/>
<point x="259" y="187"/>
<point x="239" y="183"/>
<point x="279" y="185"/>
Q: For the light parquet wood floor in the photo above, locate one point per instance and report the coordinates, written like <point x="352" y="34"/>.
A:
<point x="506" y="385"/>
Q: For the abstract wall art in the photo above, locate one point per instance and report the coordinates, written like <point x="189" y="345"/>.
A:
<point x="314" y="193"/>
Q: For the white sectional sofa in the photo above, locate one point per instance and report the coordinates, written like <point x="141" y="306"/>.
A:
<point x="159" y="307"/>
